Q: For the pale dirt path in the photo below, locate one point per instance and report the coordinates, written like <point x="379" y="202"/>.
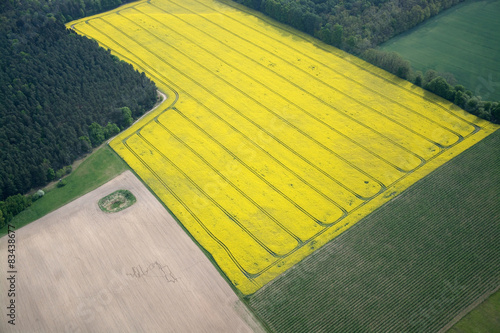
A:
<point x="82" y="270"/>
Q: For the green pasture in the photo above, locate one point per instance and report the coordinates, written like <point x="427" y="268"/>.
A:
<point x="413" y="265"/>
<point x="464" y="40"/>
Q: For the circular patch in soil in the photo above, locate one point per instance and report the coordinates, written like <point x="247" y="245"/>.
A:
<point x="117" y="201"/>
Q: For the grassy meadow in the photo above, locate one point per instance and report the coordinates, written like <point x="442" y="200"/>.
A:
<point x="413" y="265"/>
<point x="272" y="144"/>
<point x="100" y="167"/>
<point x="464" y="40"/>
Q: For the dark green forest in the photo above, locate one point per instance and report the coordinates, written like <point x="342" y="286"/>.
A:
<point x="60" y="93"/>
<point x="352" y="25"/>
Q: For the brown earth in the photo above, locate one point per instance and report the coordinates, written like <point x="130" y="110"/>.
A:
<point x="80" y="269"/>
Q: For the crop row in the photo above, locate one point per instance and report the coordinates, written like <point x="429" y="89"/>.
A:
<point x="411" y="266"/>
<point x="274" y="146"/>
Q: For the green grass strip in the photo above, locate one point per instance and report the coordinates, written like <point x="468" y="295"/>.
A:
<point x="100" y="167"/>
<point x="413" y="265"/>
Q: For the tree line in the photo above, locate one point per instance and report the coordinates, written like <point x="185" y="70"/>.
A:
<point x="358" y="26"/>
<point x="352" y="25"/>
<point x="60" y="93"/>
<point x="442" y="84"/>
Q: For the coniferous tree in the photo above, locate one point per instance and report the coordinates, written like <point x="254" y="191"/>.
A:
<point x="58" y="90"/>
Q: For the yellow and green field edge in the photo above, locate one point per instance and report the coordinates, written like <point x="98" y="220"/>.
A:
<point x="413" y="265"/>
<point x="300" y="253"/>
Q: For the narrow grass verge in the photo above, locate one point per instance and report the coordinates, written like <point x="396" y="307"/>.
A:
<point x="100" y="167"/>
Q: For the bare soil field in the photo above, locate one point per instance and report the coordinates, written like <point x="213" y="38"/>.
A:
<point x="79" y="269"/>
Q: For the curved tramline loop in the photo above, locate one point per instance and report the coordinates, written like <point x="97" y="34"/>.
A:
<point x="282" y="27"/>
<point x="382" y="186"/>
<point x="215" y="202"/>
<point x="207" y="230"/>
<point x="283" y="97"/>
<point x="460" y="137"/>
<point x="160" y="180"/>
<point x="260" y="177"/>
<point x="297" y="239"/>
<point x="171" y="84"/>
<point x="238" y="112"/>
<point x="344" y="211"/>
<point x="337" y="225"/>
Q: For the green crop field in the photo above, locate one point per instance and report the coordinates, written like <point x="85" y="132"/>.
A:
<point x="411" y="266"/>
<point x="464" y="40"/>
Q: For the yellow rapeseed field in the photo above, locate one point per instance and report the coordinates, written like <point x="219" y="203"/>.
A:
<point x="270" y="143"/>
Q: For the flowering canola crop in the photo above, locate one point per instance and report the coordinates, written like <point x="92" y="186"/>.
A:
<point x="271" y="143"/>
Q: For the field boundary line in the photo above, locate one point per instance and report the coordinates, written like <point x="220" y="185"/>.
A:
<point x="318" y="44"/>
<point x="468" y="309"/>
<point x="299" y="241"/>
<point x="263" y="106"/>
<point x="330" y="106"/>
